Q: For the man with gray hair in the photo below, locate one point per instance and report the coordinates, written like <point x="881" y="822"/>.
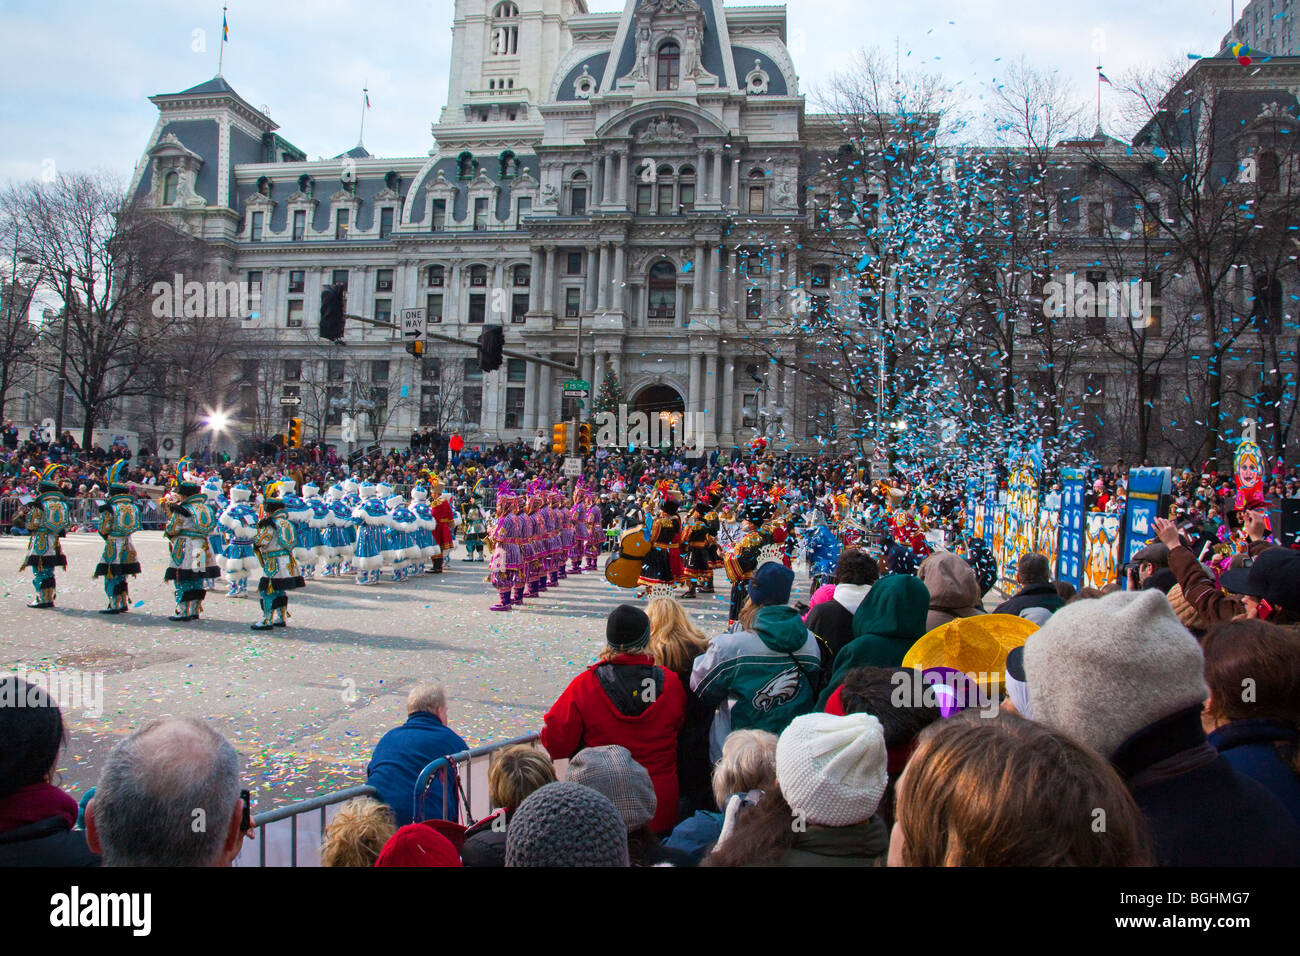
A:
<point x="1037" y="598"/>
<point x="168" y="796"/>
<point x="404" y="751"/>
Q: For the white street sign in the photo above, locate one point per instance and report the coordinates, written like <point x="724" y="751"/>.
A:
<point x="572" y="467"/>
<point x="413" y="321"/>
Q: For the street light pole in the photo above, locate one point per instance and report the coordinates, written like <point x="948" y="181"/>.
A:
<point x="63" y="359"/>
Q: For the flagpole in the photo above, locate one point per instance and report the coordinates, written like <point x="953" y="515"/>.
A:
<point x="221" y="56"/>
<point x="365" y="98"/>
<point x="1098" y="96"/>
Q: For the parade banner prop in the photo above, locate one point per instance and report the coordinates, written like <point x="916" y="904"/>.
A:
<point x="1100" y="564"/>
<point x="1049" y="534"/>
<point x="990" y="506"/>
<point x="1069" y="561"/>
<point x="1145" y="486"/>
<point x="972" y="505"/>
<point x="1021" y="508"/>
<point x="1248" y="470"/>
<point x="1000" y="544"/>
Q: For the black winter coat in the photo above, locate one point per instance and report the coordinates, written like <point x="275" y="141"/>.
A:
<point x="49" y="842"/>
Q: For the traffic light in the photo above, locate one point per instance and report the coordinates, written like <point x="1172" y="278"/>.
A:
<point x="560" y="438"/>
<point x="333" y="305"/>
<point x="584" y="439"/>
<point x="295" y="433"/>
<point x="416" y="348"/>
<point x="490" y="343"/>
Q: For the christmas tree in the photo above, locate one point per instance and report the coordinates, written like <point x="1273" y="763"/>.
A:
<point x="611" y="394"/>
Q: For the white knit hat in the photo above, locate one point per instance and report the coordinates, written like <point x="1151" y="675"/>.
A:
<point x="1102" y="670"/>
<point x="831" y="768"/>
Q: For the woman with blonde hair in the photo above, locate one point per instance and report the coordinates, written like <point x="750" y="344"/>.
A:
<point x="514" y="774"/>
<point x="675" y="642"/>
<point x="357" y="833"/>
<point x="747" y="768"/>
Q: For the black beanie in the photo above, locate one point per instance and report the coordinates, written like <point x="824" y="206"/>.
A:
<point x="627" y="629"/>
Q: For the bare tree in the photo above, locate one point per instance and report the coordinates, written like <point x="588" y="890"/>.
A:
<point x="104" y="259"/>
<point x="18" y="336"/>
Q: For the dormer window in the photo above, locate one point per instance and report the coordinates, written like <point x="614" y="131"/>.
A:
<point x="668" y="66"/>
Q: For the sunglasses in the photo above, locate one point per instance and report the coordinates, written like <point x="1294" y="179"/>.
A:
<point x="246" y="823"/>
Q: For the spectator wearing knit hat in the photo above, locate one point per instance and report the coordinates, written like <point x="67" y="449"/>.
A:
<point x="612" y="771"/>
<point x="765" y="672"/>
<point x="831" y="776"/>
<point x="566" y="824"/>
<point x="625" y="699"/>
<point x="1122" y="675"/>
<point x="418" y="844"/>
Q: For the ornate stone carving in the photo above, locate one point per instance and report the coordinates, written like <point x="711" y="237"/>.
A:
<point x="663" y="130"/>
<point x="757" y="79"/>
<point x="585" y="85"/>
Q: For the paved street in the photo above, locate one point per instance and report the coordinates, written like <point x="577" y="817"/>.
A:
<point x="304" y="706"/>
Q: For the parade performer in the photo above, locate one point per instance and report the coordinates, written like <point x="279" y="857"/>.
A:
<point x="661" y="569"/>
<point x="578" y="515"/>
<point x="217" y="501"/>
<point x="299" y="514"/>
<point x="532" y="547"/>
<point x="554" y="555"/>
<point x="595" y="531"/>
<point x="702" y="542"/>
<point x="444" y="533"/>
<point x="473" y="524"/>
<point x="341" y="536"/>
<point x="46" y="519"/>
<point x="370" y="520"/>
<point x="564" y="522"/>
<point x="274" y="546"/>
<point x="425" y="523"/>
<point x="316" y="548"/>
<point x="119" y="520"/>
<point x="754" y="548"/>
<point x="821" y="551"/>
<point x="401" y="551"/>
<point x="506" y="568"/>
<point x="240" y="521"/>
<point x="193" y="564"/>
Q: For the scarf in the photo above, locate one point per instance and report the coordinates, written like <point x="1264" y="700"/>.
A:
<point x="33" y="803"/>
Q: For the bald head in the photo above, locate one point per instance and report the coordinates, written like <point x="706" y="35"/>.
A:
<point x="166" y="796"/>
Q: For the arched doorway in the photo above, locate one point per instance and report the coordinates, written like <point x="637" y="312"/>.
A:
<point x="664" y="407"/>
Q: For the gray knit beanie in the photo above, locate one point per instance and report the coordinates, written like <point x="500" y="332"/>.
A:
<point x="612" y="771"/>
<point x="1102" y="670"/>
<point x="566" y="824"/>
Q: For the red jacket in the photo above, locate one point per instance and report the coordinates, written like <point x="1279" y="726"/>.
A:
<point x="586" y="716"/>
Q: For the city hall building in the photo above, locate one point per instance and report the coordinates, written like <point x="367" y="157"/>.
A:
<point x="646" y="188"/>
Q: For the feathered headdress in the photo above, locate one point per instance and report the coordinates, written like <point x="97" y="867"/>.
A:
<point x="46" y="476"/>
<point x="114" y="474"/>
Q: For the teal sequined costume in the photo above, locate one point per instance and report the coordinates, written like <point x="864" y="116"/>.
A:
<point x="119" y="520"/>
<point x="273" y="544"/>
<point x="48" y="520"/>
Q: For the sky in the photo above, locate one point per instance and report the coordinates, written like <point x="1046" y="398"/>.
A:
<point x="77" y="75"/>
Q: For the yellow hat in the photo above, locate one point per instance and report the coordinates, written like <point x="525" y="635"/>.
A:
<point x="972" y="645"/>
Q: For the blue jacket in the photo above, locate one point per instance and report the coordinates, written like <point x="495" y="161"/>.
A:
<point x="1251" y="747"/>
<point x="696" y="835"/>
<point x="398" y="759"/>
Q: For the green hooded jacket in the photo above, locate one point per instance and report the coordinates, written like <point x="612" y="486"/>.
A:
<point x="890" y="619"/>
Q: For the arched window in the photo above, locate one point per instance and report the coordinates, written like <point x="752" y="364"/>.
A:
<point x="578" y="194"/>
<point x="478" y="276"/>
<point x="757" y="191"/>
<point x="662" y="283"/>
<point x="465" y="165"/>
<point x="437" y="276"/>
<point x="504" y="39"/>
<point x="664" y="179"/>
<point x="170" y="182"/>
<point x="669" y="66"/>
<point x="509" y="166"/>
<point x="305" y="184"/>
<point x="392" y="180"/>
<point x="1269" y="172"/>
<point x="686" y="189"/>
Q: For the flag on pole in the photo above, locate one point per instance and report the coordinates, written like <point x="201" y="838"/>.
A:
<point x="367" y="101"/>
<point x="225" y="29"/>
<point x="1102" y="76"/>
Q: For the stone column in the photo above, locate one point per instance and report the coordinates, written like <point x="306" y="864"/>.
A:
<point x="715" y="191"/>
<point x="697" y="290"/>
<point x="602" y="279"/>
<point x="701" y="179"/>
<point x="535" y="280"/>
<point x="451" y="308"/>
<point x="530" y="398"/>
<point x="622" y="178"/>
<point x="788" y="401"/>
<point x="588" y="366"/>
<point x="709" y="403"/>
<point x="619" y="279"/>
<point x="498" y="282"/>
<point x="714" y="275"/>
<point x="597" y="374"/>
<point x="543" y="398"/>
<point x="727" y="425"/>
<point x="735" y="182"/>
<point x="693" y="394"/>
<point x="548" y="281"/>
<point x="589" y="280"/>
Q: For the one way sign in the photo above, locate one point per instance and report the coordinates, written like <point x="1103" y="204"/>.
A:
<point x="413" y="323"/>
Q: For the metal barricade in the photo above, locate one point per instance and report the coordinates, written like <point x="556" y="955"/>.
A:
<point x="8" y="508"/>
<point x="85" y="514"/>
<point x="471" y="768"/>
<point x="278" y="832"/>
